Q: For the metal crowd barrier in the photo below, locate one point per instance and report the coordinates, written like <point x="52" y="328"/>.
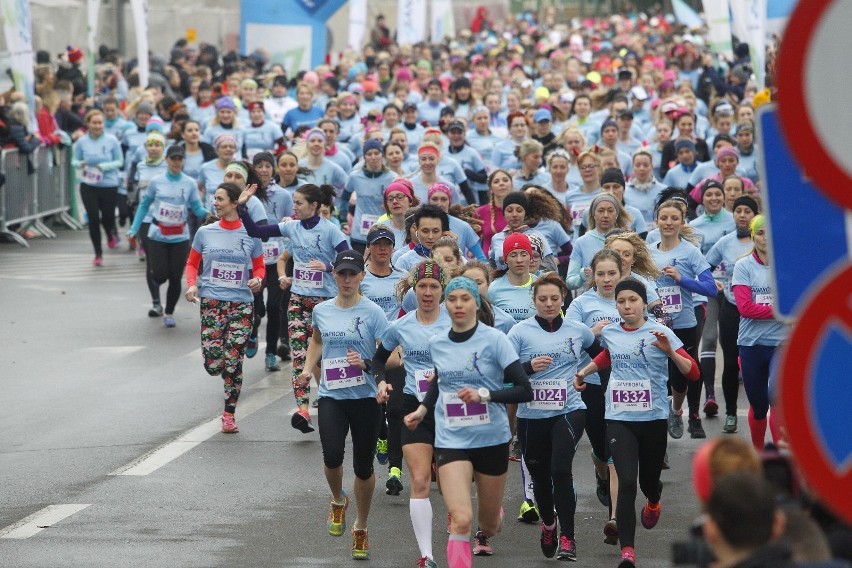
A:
<point x="35" y="189"/>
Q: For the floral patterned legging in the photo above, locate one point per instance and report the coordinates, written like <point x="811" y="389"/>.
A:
<point x="299" y="313"/>
<point x="225" y="328"/>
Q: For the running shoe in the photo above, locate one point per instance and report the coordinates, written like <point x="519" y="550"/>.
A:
<point x="393" y="486"/>
<point x="515" y="453"/>
<point x="382" y="451"/>
<point x="529" y="513"/>
<point x="284" y="352"/>
<point x="730" y="426"/>
<point x="140" y="252"/>
<point x="272" y="363"/>
<point x="336" y="523"/>
<point x="169" y="320"/>
<point x="650" y="514"/>
<point x="567" y="549"/>
<point x="483" y="544"/>
<point x="696" y="430"/>
<point x="113" y="241"/>
<point x="251" y="347"/>
<point x="301" y="421"/>
<point x="611" y="532"/>
<point x="98" y="261"/>
<point x="131" y="243"/>
<point x="360" y="548"/>
<point x="602" y="490"/>
<point x="549" y="540"/>
<point x="229" y="425"/>
<point x="156" y="311"/>
<point x="675" y="423"/>
<point x="711" y="408"/>
<point x="426" y="562"/>
<point x="628" y="558"/>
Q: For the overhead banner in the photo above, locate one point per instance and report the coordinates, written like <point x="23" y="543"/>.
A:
<point x="685" y="15"/>
<point x="93" y="12"/>
<point x="443" y="23"/>
<point x="411" y="21"/>
<point x="719" y="28"/>
<point x="18" y="32"/>
<point x="140" y="21"/>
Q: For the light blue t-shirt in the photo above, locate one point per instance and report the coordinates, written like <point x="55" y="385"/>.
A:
<point x="503" y="156"/>
<point x="210" y="177"/>
<point x="640" y="372"/>
<point x="677" y="301"/>
<point x="589" y="308"/>
<point x="645" y="201"/>
<point x="517" y="301"/>
<point x="144" y="174"/>
<point x="769" y="332"/>
<point x="327" y="173"/>
<point x="214" y="130"/>
<point x="305" y="245"/>
<point x="468" y="239"/>
<point x="227" y="259"/>
<point x="553" y="234"/>
<point x="469" y="159"/>
<point x="483" y="143"/>
<point x="713" y="230"/>
<point x="382" y="291"/>
<point x="103" y="159"/>
<point x="502" y="320"/>
<point x="724" y="256"/>
<point x="358" y="328"/>
<point x="414" y="337"/>
<point x="370" y="202"/>
<point x="478" y="362"/>
<point x="540" y="178"/>
<point x="168" y="199"/>
<point x="261" y="138"/>
<point x="553" y="391"/>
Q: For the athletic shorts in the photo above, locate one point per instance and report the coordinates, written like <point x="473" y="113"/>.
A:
<point x="490" y="460"/>
<point x="425" y="431"/>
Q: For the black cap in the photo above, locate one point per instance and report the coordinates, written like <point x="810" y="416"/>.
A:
<point x="612" y="175"/>
<point x="633" y="285"/>
<point x="176" y="151"/>
<point x="625" y="114"/>
<point x="409" y="106"/>
<point x="455" y="125"/>
<point x="748" y="201"/>
<point x="625" y="75"/>
<point x="349" y="260"/>
<point x="379" y="234"/>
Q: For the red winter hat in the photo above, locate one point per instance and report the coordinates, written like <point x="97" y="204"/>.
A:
<point x="75" y="54"/>
<point x="516" y="241"/>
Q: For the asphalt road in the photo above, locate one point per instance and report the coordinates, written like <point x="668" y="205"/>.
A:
<point x="110" y="442"/>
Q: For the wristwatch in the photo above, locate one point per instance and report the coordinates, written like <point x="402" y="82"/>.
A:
<point x="484" y="394"/>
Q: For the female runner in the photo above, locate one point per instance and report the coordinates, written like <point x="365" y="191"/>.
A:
<point x="314" y="242"/>
<point x="760" y="333"/>
<point x="369" y="185"/>
<point x="412" y="333"/>
<point x="227" y="253"/>
<point x="347" y="328"/>
<point x="638" y="352"/>
<point x="551" y="425"/>
<point x="472" y="362"/>
<point x="491" y="214"/>
<point x="606" y="213"/>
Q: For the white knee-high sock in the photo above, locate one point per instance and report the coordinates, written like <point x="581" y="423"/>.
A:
<point x="421" y="520"/>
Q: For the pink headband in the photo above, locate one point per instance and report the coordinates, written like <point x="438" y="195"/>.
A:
<point x="441" y="187"/>
<point x="401" y="185"/>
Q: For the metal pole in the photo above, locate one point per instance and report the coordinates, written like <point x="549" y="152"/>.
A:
<point x="119" y="27"/>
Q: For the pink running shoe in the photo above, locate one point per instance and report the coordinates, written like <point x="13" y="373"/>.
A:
<point x="229" y="426"/>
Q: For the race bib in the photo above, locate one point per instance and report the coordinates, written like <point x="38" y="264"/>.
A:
<point x="227" y="274"/>
<point x="304" y="276"/>
<point x="339" y="374"/>
<point x="367" y="221"/>
<point x="630" y="396"/>
<point x="271" y="251"/>
<point x="91" y="175"/>
<point x="721" y="272"/>
<point x="170" y="214"/>
<point x="423" y="380"/>
<point x="459" y="414"/>
<point x="577" y="214"/>
<point x="763" y="299"/>
<point x="671" y="298"/>
<point x="549" y="394"/>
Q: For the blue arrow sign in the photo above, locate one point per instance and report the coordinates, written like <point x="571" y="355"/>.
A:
<point x="807" y="232"/>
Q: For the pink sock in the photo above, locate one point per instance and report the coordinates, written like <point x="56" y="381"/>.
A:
<point x="775" y="426"/>
<point x="458" y="552"/>
<point x="757" y="429"/>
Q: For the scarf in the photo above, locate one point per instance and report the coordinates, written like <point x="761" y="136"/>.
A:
<point x="644" y="187"/>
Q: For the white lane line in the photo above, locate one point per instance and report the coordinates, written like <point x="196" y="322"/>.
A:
<point x="40" y="520"/>
<point x="262" y="394"/>
<point x="119" y="350"/>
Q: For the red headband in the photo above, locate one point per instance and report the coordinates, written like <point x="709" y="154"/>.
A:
<point x="429" y="149"/>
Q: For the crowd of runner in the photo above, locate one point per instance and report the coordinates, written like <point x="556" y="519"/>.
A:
<point x="477" y="251"/>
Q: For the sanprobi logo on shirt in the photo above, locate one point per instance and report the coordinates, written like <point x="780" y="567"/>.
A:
<point x="473" y="364"/>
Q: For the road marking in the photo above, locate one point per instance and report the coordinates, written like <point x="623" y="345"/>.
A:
<point x="119" y="350"/>
<point x="259" y="396"/>
<point x="40" y="520"/>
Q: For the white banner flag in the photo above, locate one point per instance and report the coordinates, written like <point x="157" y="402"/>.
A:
<point x="411" y="21"/>
<point x="739" y="18"/>
<point x="93" y="12"/>
<point x="357" y="23"/>
<point x="757" y="39"/>
<point x="140" y="21"/>
<point x="719" y="23"/>
<point x="18" y="32"/>
<point x="443" y="23"/>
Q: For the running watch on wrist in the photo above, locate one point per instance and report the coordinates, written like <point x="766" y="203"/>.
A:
<point x="484" y="394"/>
